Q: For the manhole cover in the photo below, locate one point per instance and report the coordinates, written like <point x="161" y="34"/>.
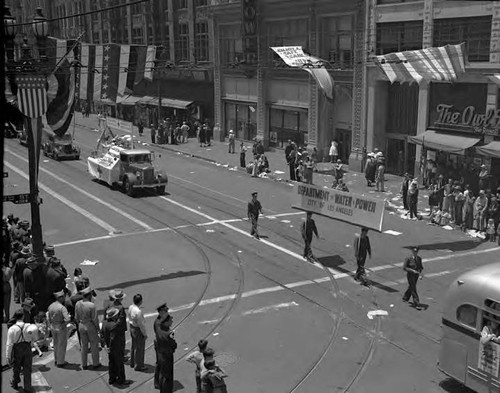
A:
<point x="225" y="359"/>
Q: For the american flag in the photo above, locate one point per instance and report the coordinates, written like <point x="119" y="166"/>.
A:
<point x="32" y="95"/>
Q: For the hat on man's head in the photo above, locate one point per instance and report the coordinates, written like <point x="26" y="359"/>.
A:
<point x="85" y="291"/>
<point x="483" y="166"/>
<point x="50" y="251"/>
<point x="28" y="302"/>
<point x="481" y="192"/>
<point x="26" y="251"/>
<point x="24" y="223"/>
<point x="416" y="249"/>
<point x="162" y="307"/>
<point x="112" y="312"/>
<point x="31" y="331"/>
<point x="59" y="294"/>
<point x="118" y="294"/>
<point x="31" y="260"/>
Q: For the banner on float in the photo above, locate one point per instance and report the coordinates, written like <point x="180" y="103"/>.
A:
<point x="340" y="205"/>
<point x="119" y="125"/>
<point x="489" y="358"/>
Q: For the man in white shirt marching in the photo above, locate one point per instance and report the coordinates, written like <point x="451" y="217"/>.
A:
<point x="138" y="334"/>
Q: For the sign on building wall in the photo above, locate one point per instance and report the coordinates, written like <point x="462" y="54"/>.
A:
<point x="468" y="120"/>
<point x="250" y="31"/>
<point x="340" y="205"/>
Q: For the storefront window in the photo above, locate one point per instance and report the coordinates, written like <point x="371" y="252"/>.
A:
<point x="287" y="124"/>
<point x="242" y="119"/>
<point x="475" y="32"/>
<point x="399" y="36"/>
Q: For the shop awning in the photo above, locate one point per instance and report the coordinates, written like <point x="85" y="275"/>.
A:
<point x="127" y="100"/>
<point x="173" y="103"/>
<point x="492" y="149"/>
<point x="495" y="78"/>
<point x="146" y="100"/>
<point x="444" y="63"/>
<point x="434" y="140"/>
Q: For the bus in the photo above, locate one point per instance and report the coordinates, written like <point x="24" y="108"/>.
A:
<point x="472" y="302"/>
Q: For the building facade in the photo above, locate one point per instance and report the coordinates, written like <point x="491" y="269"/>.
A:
<point x="257" y="95"/>
<point x="441" y="121"/>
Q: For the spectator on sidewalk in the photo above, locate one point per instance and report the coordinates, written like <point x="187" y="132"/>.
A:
<point x="243" y="152"/>
<point x="370" y="169"/>
<point x="413" y="199"/>
<point x="201" y="133"/>
<point x="339" y="170"/>
<point x="114" y="340"/>
<point x="480" y="209"/>
<point x="140" y="127"/>
<point x="197" y="359"/>
<point x="308" y="170"/>
<point x="88" y="327"/>
<point x="333" y="152"/>
<point x="291" y="159"/>
<point x="231" y="142"/>
<point x="379" y="177"/>
<point x="138" y="334"/>
<point x="58" y="318"/>
<point x="208" y="133"/>
<point x="404" y="190"/>
<point x="7" y="273"/>
<point x="185" y="132"/>
<point x="153" y="134"/>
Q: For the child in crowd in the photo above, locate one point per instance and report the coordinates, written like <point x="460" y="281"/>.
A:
<point x="490" y="230"/>
<point x="42" y="344"/>
<point x="197" y="359"/>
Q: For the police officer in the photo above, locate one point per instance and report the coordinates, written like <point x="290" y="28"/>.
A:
<point x="18" y="350"/>
<point x="165" y="348"/>
<point x="88" y="327"/>
<point x="58" y="318"/>
<point x="413" y="267"/>
<point x="308" y="227"/>
<point x="362" y="248"/>
<point x="253" y="211"/>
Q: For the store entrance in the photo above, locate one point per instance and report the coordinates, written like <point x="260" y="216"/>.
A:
<point x="400" y="156"/>
<point x="344" y="144"/>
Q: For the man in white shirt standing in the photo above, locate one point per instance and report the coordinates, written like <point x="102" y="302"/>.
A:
<point x="18" y="350"/>
<point x="138" y="334"/>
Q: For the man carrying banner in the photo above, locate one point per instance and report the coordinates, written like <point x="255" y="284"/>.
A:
<point x="307" y="229"/>
<point x="361" y="249"/>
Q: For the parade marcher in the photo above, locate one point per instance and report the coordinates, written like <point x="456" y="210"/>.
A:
<point x="253" y="211"/>
<point x="243" y="152"/>
<point x="165" y="348"/>
<point x="291" y="158"/>
<point x="231" y="142"/>
<point x="88" y="326"/>
<point x="308" y="228"/>
<point x="197" y="359"/>
<point x="153" y="134"/>
<point x="413" y="267"/>
<point x="58" y="318"/>
<point x="7" y="273"/>
<point x="18" y="351"/>
<point x="214" y="378"/>
<point x="362" y="248"/>
<point x="114" y="340"/>
<point x="138" y="334"/>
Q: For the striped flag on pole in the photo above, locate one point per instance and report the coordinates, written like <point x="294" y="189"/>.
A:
<point x="32" y="95"/>
<point x="444" y="63"/>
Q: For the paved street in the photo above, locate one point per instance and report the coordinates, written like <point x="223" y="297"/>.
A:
<point x="276" y="322"/>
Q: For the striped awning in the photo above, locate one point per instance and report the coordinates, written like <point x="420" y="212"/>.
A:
<point x="444" y="63"/>
<point x="495" y="78"/>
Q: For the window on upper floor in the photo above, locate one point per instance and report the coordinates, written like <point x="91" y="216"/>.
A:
<point x="137" y="35"/>
<point x="201" y="41"/>
<point x="182" y="4"/>
<point x="291" y="32"/>
<point x="182" y="42"/>
<point x="337" y="40"/>
<point x="392" y="1"/>
<point x="231" y="44"/>
<point x="399" y="36"/>
<point x="199" y="3"/>
<point x="475" y="32"/>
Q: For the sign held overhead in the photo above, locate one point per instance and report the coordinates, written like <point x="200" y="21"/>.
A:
<point x="345" y="206"/>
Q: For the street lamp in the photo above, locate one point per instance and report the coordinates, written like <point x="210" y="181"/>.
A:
<point x="41" y="30"/>
<point x="19" y="69"/>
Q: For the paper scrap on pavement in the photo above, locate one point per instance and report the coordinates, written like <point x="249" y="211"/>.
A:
<point x="279" y="172"/>
<point x="286" y="221"/>
<point x="448" y="228"/>
<point x="210" y="230"/>
<point x="45" y="160"/>
<point x="345" y="338"/>
<point x="89" y="262"/>
<point x="391" y="232"/>
<point x="233" y="169"/>
<point x="374" y="313"/>
<point x="215" y="334"/>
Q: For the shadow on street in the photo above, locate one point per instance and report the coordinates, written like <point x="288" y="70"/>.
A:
<point x="462" y="245"/>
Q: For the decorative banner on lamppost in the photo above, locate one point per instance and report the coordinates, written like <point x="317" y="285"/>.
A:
<point x="32" y="95"/>
<point x="294" y="56"/>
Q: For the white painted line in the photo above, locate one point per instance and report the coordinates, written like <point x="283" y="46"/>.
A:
<point x="274" y="307"/>
<point x="88" y="194"/>
<point x="67" y="202"/>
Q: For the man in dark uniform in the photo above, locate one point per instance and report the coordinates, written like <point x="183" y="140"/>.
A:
<point x="253" y="211"/>
<point x="19" y="292"/>
<point x="308" y="228"/>
<point x="165" y="348"/>
<point x="413" y="267"/>
<point x="362" y="248"/>
<point x="162" y="314"/>
<point x="114" y="339"/>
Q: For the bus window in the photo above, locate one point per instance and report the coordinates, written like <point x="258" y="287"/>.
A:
<point x="467" y="314"/>
<point x="491" y="328"/>
<point x="492" y="304"/>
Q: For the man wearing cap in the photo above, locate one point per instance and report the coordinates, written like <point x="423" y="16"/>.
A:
<point x="18" y="350"/>
<point x="74" y="299"/>
<point x="58" y="318"/>
<point x="165" y="347"/>
<point x="56" y="275"/>
<point x="362" y="248"/>
<point x="114" y="341"/>
<point x="162" y="315"/>
<point x="21" y="264"/>
<point x="253" y="211"/>
<point x="413" y="267"/>
<point x="88" y="327"/>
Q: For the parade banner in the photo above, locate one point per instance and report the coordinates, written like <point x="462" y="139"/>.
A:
<point x="340" y="205"/>
<point x="489" y="358"/>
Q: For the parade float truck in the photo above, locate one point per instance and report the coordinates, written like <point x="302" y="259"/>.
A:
<point x="60" y="147"/>
<point x="128" y="169"/>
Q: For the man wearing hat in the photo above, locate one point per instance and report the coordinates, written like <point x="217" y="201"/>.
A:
<point x="232" y="141"/>
<point x="114" y="340"/>
<point x="19" y="267"/>
<point x="88" y="327"/>
<point x="413" y="267"/>
<point x="58" y="318"/>
<point x="18" y="350"/>
<point x="49" y="251"/>
<point x="165" y="346"/>
<point x="162" y="315"/>
<point x="362" y="248"/>
<point x="253" y="211"/>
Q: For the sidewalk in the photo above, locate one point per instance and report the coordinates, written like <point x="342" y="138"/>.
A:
<point x="218" y="155"/>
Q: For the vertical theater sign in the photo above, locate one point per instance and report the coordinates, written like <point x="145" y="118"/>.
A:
<point x="250" y="31"/>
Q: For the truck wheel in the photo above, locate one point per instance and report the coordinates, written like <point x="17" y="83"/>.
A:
<point x="127" y="187"/>
<point x="56" y="156"/>
<point x="160" y="190"/>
